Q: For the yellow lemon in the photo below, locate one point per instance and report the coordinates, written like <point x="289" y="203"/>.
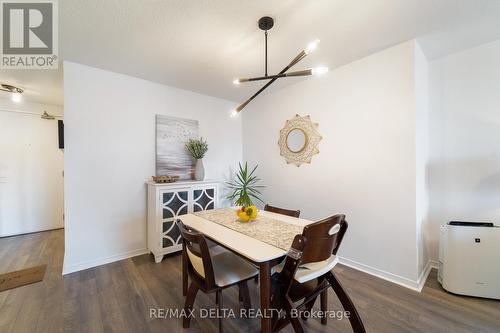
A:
<point x="243" y="216"/>
<point x="251" y="211"/>
<point x="246" y="214"/>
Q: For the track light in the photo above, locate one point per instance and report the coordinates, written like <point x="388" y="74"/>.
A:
<point x="237" y="81"/>
<point x="16" y="93"/>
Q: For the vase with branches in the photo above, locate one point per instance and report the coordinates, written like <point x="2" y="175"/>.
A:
<point x="197" y="148"/>
<point x="245" y="189"/>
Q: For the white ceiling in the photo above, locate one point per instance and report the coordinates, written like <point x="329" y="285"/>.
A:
<point x="202" y="45"/>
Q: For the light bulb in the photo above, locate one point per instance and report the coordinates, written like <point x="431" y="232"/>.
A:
<point x="237" y="81"/>
<point x="16" y="97"/>
<point x="312" y="46"/>
<point x="234" y="114"/>
<point x="319" y="70"/>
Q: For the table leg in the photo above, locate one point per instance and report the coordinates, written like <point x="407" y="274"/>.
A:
<point x="265" y="296"/>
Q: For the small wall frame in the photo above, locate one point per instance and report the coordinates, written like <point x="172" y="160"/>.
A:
<point x="299" y="140"/>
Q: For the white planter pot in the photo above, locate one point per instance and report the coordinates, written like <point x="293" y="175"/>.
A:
<point x="199" y="170"/>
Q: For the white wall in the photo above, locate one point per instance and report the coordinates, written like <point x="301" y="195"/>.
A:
<point x="366" y="167"/>
<point x="422" y="156"/>
<point x="464" y="138"/>
<point x="110" y="152"/>
<point x="31" y="165"/>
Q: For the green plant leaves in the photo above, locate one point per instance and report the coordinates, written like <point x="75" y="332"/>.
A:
<point x="197" y="148"/>
<point x="245" y="187"/>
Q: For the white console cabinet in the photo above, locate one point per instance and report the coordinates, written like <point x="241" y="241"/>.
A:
<point x="168" y="201"/>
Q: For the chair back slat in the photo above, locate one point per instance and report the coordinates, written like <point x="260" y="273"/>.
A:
<point x="283" y="211"/>
<point x="323" y="238"/>
<point x="199" y="261"/>
<point x="196" y="261"/>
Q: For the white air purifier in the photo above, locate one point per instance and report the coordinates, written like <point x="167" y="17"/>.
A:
<point x="469" y="259"/>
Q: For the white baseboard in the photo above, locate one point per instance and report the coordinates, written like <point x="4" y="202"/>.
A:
<point x="31" y="231"/>
<point x="425" y="273"/>
<point x="400" y="280"/>
<point x="67" y="269"/>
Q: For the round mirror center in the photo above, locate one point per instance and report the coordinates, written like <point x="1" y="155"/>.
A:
<point x="296" y="140"/>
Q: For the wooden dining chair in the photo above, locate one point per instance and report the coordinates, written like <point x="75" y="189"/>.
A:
<point x="307" y="273"/>
<point x="212" y="274"/>
<point x="283" y="211"/>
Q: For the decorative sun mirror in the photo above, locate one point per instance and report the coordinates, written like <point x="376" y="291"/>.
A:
<point x="299" y="140"/>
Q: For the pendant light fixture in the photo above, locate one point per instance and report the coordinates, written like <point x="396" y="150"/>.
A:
<point x="16" y="93"/>
<point x="266" y="23"/>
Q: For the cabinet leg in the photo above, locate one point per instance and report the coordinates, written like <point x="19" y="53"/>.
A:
<point x="158" y="259"/>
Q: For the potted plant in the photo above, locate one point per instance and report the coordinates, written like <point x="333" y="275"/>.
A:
<point x="245" y="189"/>
<point x="198" y="148"/>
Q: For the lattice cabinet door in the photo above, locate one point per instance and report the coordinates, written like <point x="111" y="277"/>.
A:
<point x="204" y="198"/>
<point x="166" y="204"/>
<point x="173" y="204"/>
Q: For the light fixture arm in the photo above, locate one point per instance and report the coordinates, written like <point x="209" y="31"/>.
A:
<point x="298" y="58"/>
<point x="304" y="72"/>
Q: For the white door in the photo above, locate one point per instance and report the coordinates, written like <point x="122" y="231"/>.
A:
<point x="31" y="178"/>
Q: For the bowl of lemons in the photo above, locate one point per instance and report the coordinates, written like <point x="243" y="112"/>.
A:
<point x="247" y="213"/>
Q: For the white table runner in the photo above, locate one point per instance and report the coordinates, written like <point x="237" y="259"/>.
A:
<point x="269" y="230"/>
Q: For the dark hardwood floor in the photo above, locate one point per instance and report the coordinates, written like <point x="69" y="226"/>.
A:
<point x="117" y="298"/>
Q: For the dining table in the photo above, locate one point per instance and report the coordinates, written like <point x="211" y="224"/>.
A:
<point x="261" y="253"/>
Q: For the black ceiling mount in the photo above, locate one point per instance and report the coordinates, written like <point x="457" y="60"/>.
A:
<point x="266" y="23"/>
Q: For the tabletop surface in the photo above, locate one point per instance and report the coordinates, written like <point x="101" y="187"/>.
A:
<point x="249" y="247"/>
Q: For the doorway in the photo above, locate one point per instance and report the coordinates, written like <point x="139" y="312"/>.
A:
<point x="31" y="169"/>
